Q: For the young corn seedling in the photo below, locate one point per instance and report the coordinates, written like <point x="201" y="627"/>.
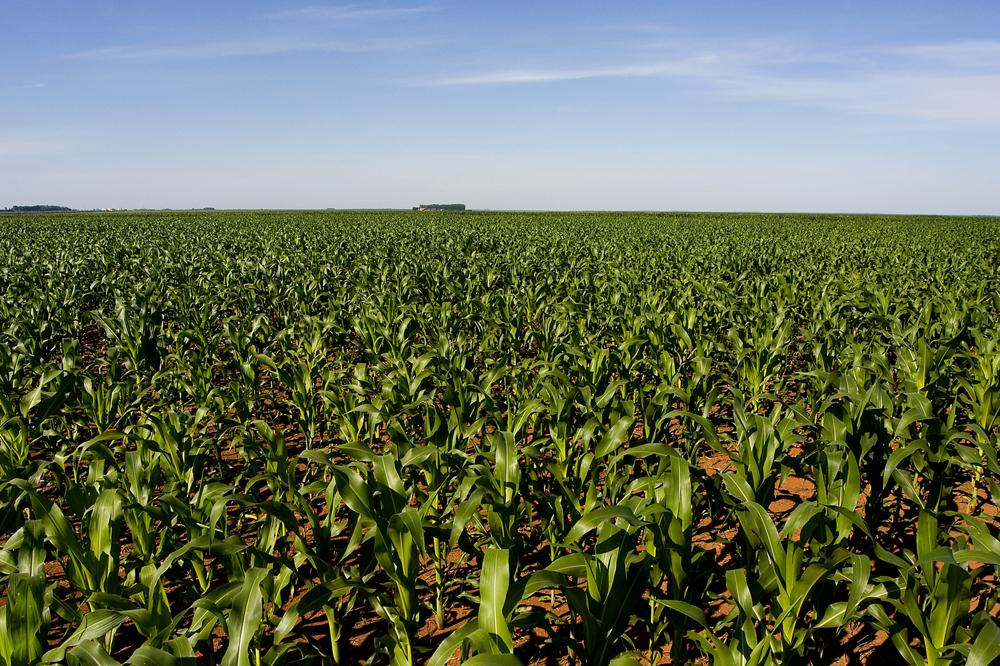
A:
<point x="92" y="562"/>
<point x="501" y="590"/>
<point x="933" y="598"/>
<point x="784" y="574"/>
<point x="379" y="502"/>
<point x="762" y="443"/>
<point x="299" y="377"/>
<point x="758" y="357"/>
<point x="667" y="538"/>
<point x="500" y="483"/>
<point x="133" y="335"/>
<point x="25" y="616"/>
<point x="443" y="462"/>
<point x="749" y="642"/>
<point x="109" y="405"/>
<point x="614" y="575"/>
<point x="181" y="444"/>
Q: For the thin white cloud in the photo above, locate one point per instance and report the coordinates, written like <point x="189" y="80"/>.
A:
<point x="956" y="82"/>
<point x="349" y="12"/>
<point x="638" y="27"/>
<point x="960" y="99"/>
<point x="681" y="67"/>
<point x="967" y="54"/>
<point x="237" y="48"/>
<point x="25" y="145"/>
<point x="684" y="58"/>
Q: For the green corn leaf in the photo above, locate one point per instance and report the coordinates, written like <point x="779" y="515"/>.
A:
<point x="598" y="517"/>
<point x="575" y="564"/>
<point x="243" y="621"/>
<point x="354" y="490"/>
<point x="493" y="660"/>
<point x="507" y="471"/>
<point x="986" y="648"/>
<point x="413" y="524"/>
<point x="386" y="474"/>
<point x="615" y="437"/>
<point x="684" y="608"/>
<point x="151" y="656"/>
<point x="625" y="660"/>
<point x="90" y="653"/>
<point x="463" y="516"/>
<point x="538" y="581"/>
<point x="96" y="625"/>
<point x="446" y="649"/>
<point x="316" y="598"/>
<point x="22" y="619"/>
<point x="105" y="515"/>
<point x="494" y="582"/>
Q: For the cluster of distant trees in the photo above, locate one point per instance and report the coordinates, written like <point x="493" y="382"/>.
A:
<point x="37" y="209"/>
<point x="455" y="206"/>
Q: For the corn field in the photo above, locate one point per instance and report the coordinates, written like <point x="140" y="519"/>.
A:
<point x="245" y="438"/>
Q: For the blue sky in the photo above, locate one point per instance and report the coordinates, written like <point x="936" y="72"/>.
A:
<point x="753" y="105"/>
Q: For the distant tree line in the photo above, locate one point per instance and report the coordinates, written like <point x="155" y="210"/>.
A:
<point x="38" y="209"/>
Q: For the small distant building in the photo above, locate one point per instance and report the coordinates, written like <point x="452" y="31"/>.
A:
<point x="429" y="207"/>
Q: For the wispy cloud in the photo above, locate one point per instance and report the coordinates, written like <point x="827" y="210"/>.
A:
<point x="961" y="99"/>
<point x="676" y="58"/>
<point x="348" y="12"/>
<point x="239" y="47"/>
<point x="682" y="67"/>
<point x="970" y="54"/>
<point x="956" y="82"/>
<point x="297" y="37"/>
<point x="14" y="144"/>
<point x="638" y="27"/>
